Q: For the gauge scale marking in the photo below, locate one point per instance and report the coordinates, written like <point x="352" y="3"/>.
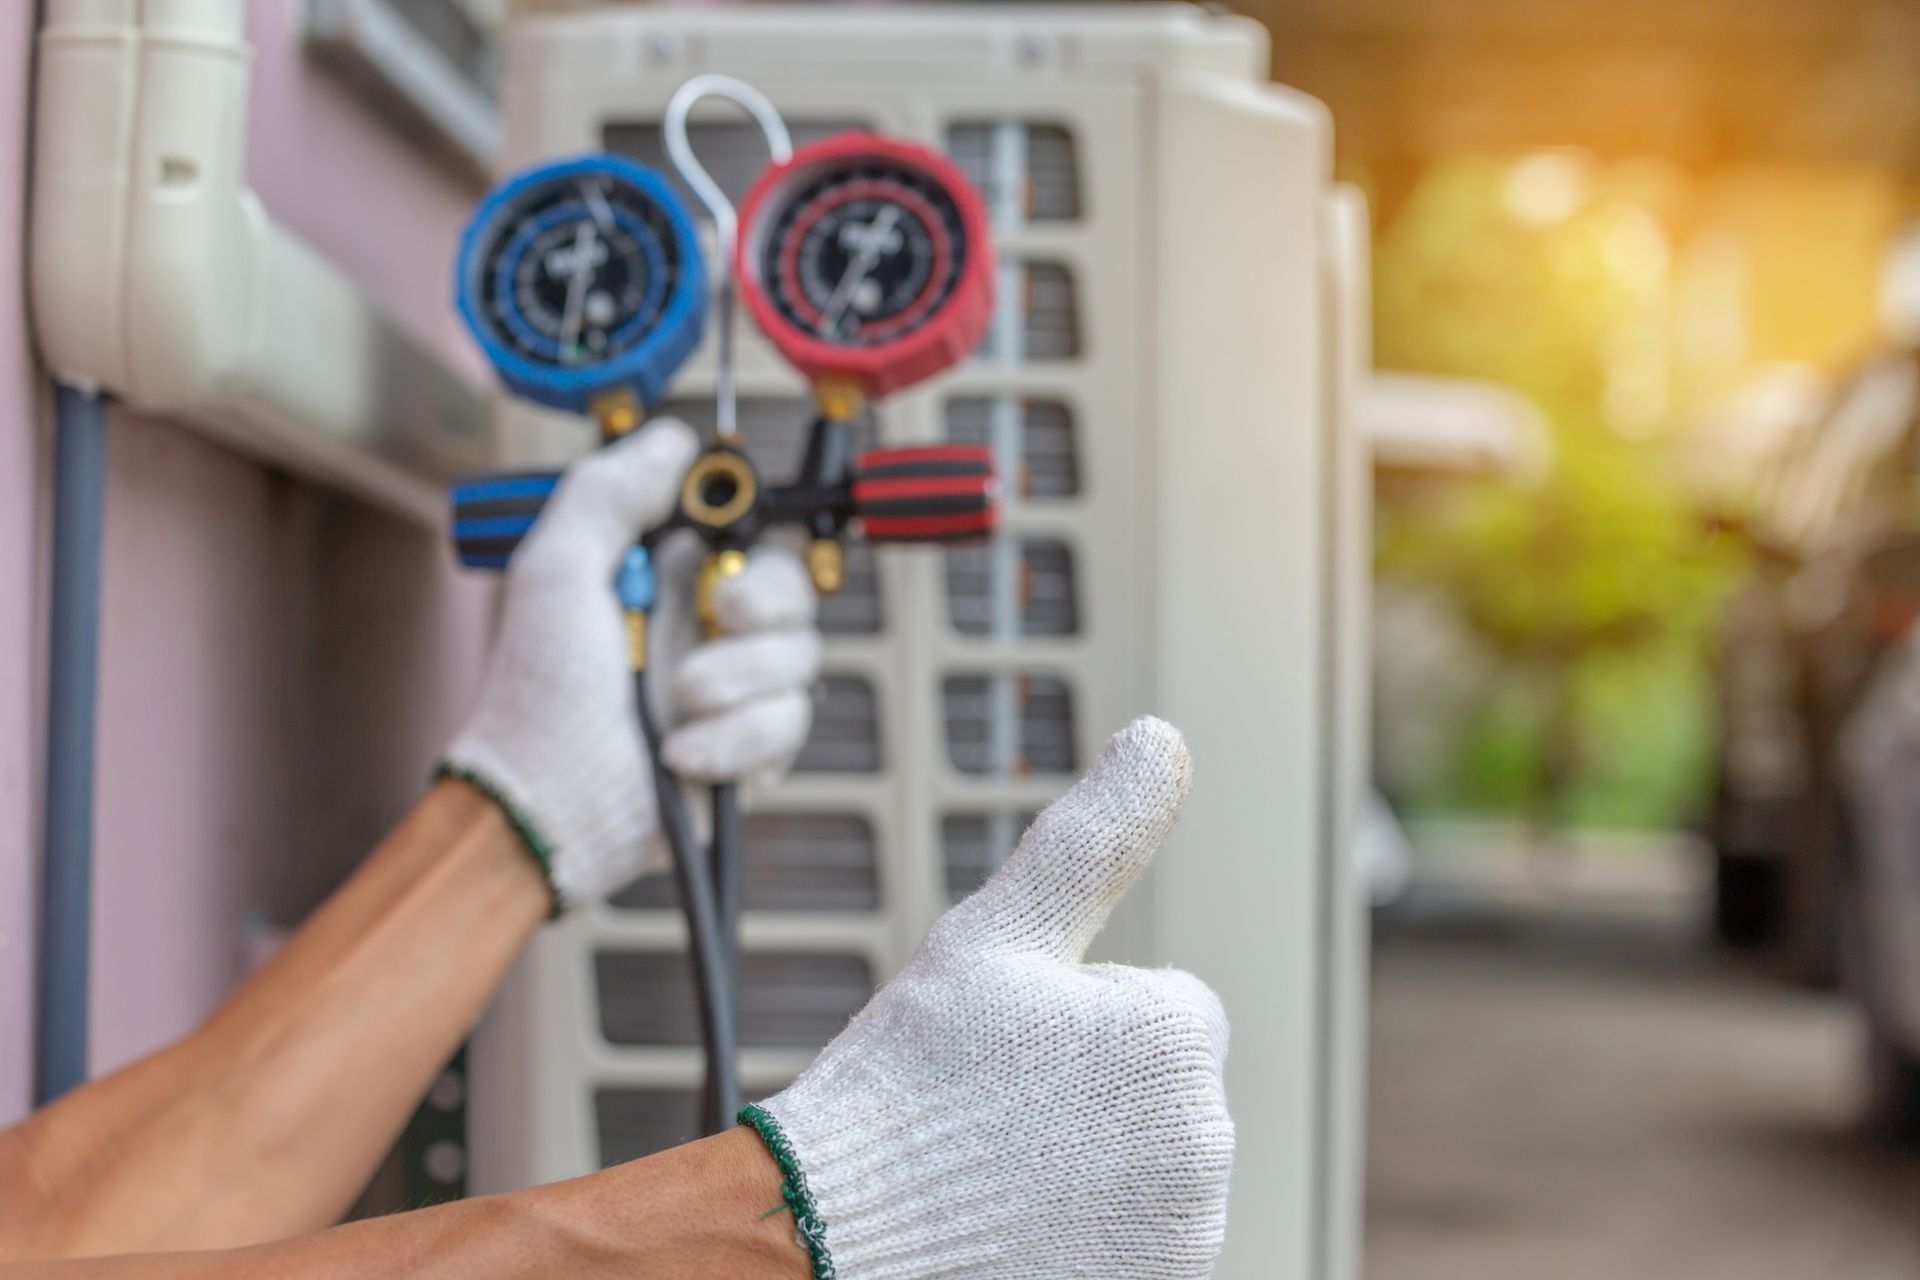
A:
<point x="581" y="277"/>
<point x="864" y="256"/>
<point x="866" y="259"/>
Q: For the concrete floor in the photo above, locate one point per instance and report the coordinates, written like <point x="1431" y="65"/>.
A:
<point x="1588" y="1094"/>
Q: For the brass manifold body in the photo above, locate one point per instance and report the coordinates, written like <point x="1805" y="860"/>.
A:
<point x="927" y="494"/>
<point x="723" y="500"/>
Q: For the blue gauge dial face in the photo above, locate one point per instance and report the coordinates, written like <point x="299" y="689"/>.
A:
<point x="576" y="271"/>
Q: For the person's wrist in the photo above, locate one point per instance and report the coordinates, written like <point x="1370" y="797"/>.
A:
<point x="471" y="818"/>
<point x="710" y="1208"/>
<point x="748" y="1178"/>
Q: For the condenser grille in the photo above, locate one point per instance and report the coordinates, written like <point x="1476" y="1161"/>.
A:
<point x="1029" y="169"/>
<point x="1031" y="592"/>
<point x="846" y="729"/>
<point x="792" y="862"/>
<point x="1008" y="726"/>
<point x="1046" y="461"/>
<point x="788" y="999"/>
<point x="1040" y="321"/>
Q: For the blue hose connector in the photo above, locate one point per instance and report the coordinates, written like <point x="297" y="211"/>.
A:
<point x="634" y="584"/>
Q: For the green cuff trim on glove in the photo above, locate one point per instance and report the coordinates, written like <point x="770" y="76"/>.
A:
<point x="522" y="826"/>
<point x="793" y="1189"/>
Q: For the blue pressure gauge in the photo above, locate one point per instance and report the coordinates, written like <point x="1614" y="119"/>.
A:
<point x="582" y="277"/>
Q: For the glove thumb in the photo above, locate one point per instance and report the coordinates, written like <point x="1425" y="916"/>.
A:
<point x="610" y="497"/>
<point x="1085" y="850"/>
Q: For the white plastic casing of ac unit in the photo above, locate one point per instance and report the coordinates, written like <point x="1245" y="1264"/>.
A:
<point x="157" y="276"/>
<point x="1216" y="532"/>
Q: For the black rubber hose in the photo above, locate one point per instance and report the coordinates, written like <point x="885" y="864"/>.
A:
<point x="713" y="983"/>
<point x="728" y="871"/>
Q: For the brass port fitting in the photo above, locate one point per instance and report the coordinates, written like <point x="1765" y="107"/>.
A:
<point x="839" y="398"/>
<point x="720" y="488"/>
<point x="636" y="640"/>
<point x="617" y="411"/>
<point x="719" y="566"/>
<point x="826" y="565"/>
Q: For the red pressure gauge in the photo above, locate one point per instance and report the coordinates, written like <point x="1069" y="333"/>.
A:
<point x="867" y="261"/>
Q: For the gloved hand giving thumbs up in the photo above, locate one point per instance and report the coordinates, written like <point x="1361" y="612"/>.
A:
<point x="1001" y="1109"/>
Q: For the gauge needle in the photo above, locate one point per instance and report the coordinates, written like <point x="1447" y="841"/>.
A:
<point x="578" y="280"/>
<point x="598" y="206"/>
<point x="871" y="242"/>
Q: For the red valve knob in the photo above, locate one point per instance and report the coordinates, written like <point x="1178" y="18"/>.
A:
<point x="931" y="493"/>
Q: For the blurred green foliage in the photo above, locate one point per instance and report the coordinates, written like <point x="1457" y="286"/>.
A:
<point x="1597" y="584"/>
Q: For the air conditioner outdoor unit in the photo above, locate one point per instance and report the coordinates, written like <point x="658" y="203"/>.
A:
<point x="1168" y="385"/>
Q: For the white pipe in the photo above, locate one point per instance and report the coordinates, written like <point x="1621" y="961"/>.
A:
<point x="726" y="222"/>
<point x="157" y="275"/>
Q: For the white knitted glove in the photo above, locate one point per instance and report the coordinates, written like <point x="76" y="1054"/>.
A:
<point x="555" y="740"/>
<point x="741" y="701"/>
<point x="1001" y="1109"/>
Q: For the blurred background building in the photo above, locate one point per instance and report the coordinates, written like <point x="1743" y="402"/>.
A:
<point x="1647" y="710"/>
<point x="1663" y="223"/>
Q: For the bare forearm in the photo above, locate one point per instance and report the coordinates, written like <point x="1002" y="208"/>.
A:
<point x="697" y="1211"/>
<point x="267" y="1120"/>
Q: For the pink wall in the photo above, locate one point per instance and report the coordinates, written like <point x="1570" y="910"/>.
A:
<point x="278" y="664"/>
<point x="323" y="163"/>
<point x="18" y="460"/>
<point x="201" y="691"/>
<point x="279" y="667"/>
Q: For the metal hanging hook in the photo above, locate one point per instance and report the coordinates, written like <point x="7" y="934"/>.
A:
<point x="726" y="222"/>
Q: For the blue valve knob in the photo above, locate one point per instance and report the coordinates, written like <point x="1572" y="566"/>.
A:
<point x="491" y="514"/>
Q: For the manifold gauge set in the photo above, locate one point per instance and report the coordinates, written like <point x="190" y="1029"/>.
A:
<point x="865" y="261"/>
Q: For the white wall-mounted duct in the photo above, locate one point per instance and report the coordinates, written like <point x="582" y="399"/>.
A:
<point x="157" y="276"/>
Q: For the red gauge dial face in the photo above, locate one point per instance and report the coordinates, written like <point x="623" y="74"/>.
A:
<point x="864" y="255"/>
<point x="867" y="258"/>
